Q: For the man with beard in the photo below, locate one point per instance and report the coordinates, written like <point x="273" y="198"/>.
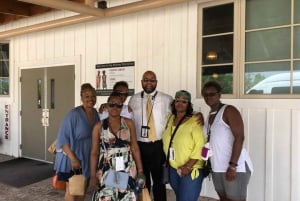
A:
<point x="151" y="109"/>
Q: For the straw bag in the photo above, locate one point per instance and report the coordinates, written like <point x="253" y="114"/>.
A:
<point x="77" y="184"/>
<point x="52" y="147"/>
<point x="145" y="196"/>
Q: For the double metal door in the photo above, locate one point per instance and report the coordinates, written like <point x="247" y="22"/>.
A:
<point x="47" y="94"/>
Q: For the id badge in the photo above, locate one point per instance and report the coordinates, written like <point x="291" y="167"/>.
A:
<point x="206" y="152"/>
<point x="120" y="163"/>
<point x="144" y="131"/>
<point x="171" y="154"/>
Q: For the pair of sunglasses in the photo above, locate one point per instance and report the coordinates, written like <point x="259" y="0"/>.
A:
<point x="112" y="104"/>
<point x="122" y="93"/>
<point x="212" y="94"/>
<point x="177" y="100"/>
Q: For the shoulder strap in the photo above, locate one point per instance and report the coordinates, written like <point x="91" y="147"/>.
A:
<point x="172" y="137"/>
<point x="105" y="123"/>
<point x="211" y="122"/>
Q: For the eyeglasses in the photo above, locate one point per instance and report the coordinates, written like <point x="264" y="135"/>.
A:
<point x="211" y="94"/>
<point x="149" y="80"/>
<point x="123" y="93"/>
<point x="112" y="104"/>
<point x="177" y="100"/>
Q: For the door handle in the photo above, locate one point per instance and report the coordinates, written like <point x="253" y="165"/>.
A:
<point x="45" y="117"/>
<point x="39" y="93"/>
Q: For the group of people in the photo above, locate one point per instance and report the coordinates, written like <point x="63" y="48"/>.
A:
<point x="152" y="131"/>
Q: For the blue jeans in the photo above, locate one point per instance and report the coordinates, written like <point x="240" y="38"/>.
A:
<point x="185" y="188"/>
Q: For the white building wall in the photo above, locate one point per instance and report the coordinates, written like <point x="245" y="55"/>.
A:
<point x="162" y="40"/>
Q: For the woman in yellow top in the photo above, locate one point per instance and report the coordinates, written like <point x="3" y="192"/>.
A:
<point x="183" y="154"/>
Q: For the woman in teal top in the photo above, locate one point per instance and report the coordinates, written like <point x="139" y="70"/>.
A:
<point x="74" y="139"/>
<point x="183" y="154"/>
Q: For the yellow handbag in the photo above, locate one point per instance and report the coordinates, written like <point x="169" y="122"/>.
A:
<point x="52" y="147"/>
<point x="77" y="184"/>
<point x="144" y="195"/>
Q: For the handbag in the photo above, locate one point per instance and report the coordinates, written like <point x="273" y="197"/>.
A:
<point x="116" y="179"/>
<point x="206" y="170"/>
<point x="144" y="195"/>
<point x="57" y="184"/>
<point x="52" y="147"/>
<point x="77" y="184"/>
<point x="165" y="174"/>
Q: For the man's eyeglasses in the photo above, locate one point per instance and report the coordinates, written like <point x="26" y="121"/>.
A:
<point x="177" y="100"/>
<point x="212" y="94"/>
<point x="149" y="80"/>
<point x="112" y="104"/>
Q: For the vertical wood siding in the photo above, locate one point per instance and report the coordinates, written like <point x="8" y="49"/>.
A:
<point x="164" y="40"/>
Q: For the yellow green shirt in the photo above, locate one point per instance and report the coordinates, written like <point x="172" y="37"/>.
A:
<point x="187" y="143"/>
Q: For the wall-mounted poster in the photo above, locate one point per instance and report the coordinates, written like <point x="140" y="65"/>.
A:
<point x="110" y="73"/>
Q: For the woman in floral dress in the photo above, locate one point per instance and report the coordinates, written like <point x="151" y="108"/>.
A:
<point x="114" y="146"/>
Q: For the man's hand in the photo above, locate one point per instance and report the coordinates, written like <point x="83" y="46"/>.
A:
<point x="200" y="118"/>
<point x="102" y="107"/>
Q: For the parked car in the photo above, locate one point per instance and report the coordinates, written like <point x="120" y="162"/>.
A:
<point x="277" y="84"/>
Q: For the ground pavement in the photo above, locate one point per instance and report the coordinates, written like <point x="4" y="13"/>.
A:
<point x="43" y="191"/>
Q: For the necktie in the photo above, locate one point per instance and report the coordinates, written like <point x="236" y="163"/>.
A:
<point x="151" y="132"/>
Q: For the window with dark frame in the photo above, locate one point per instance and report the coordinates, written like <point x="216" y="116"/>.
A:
<point x="217" y="45"/>
<point x="4" y="68"/>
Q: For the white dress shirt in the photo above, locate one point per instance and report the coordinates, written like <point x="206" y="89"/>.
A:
<point x="160" y="111"/>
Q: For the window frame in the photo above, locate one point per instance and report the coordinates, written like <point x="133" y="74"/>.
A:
<point x="236" y="39"/>
<point x="239" y="45"/>
<point x="9" y="69"/>
<point x="243" y="50"/>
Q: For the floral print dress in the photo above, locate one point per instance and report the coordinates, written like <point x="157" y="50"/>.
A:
<point x="112" y="146"/>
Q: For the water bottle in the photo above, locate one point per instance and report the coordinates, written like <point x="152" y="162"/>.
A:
<point x="139" y="184"/>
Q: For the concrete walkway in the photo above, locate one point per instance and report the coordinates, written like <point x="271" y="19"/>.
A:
<point x="43" y="191"/>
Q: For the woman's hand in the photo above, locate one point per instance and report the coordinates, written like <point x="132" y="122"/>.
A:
<point x="183" y="171"/>
<point x="231" y="173"/>
<point x="75" y="164"/>
<point x="140" y="174"/>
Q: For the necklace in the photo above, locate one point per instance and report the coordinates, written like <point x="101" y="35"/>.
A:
<point x="214" y="112"/>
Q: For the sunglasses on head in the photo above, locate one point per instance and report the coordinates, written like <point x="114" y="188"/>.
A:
<point x="177" y="100"/>
<point x="112" y="104"/>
